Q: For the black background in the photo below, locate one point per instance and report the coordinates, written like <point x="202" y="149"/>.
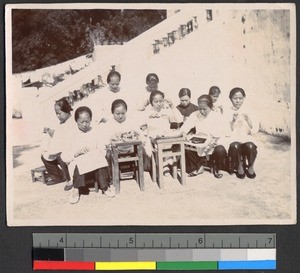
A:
<point x="16" y="242"/>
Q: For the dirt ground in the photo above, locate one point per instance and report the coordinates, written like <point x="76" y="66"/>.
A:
<point x="269" y="198"/>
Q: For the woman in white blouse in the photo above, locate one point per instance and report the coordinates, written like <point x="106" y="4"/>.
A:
<point x="86" y="156"/>
<point x="242" y="151"/>
<point x="209" y="123"/>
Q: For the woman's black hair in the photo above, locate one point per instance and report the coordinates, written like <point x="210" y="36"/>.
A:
<point x="111" y="74"/>
<point x="184" y="92"/>
<point x="64" y="105"/>
<point x="81" y="110"/>
<point x="214" y="90"/>
<point x="117" y="103"/>
<point x="236" y="90"/>
<point x="152" y="75"/>
<point x="154" y="93"/>
<point x="207" y="99"/>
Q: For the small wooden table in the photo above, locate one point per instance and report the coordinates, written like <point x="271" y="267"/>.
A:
<point x="162" y="150"/>
<point x="136" y="157"/>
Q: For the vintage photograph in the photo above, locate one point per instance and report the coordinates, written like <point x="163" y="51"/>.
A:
<point x="150" y="114"/>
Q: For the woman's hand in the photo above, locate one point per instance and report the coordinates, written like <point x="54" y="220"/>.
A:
<point x="246" y="117"/>
<point x="169" y="102"/>
<point x="235" y="117"/>
<point x="82" y="151"/>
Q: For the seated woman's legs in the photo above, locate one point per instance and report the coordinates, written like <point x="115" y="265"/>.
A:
<point x="236" y="160"/>
<point x="103" y="179"/>
<point x="78" y="182"/>
<point x="56" y="174"/>
<point x="217" y="160"/>
<point x="249" y="151"/>
<point x="192" y="161"/>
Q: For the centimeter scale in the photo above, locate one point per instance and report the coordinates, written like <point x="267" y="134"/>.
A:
<point x="153" y="251"/>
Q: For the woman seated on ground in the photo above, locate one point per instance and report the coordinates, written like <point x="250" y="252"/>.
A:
<point x="54" y="143"/>
<point x="120" y="128"/>
<point x="158" y="121"/>
<point x="242" y="151"/>
<point x="86" y="156"/>
<point x="185" y="107"/>
<point x="210" y="124"/>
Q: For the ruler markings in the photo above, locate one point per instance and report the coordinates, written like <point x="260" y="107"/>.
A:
<point x="259" y="241"/>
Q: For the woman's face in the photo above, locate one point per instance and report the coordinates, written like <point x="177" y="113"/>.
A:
<point x="237" y="100"/>
<point x="152" y="84"/>
<point x="84" y="121"/>
<point x="204" y="109"/>
<point x="61" y="115"/>
<point x="214" y="97"/>
<point x="120" y="113"/>
<point x="158" y="102"/>
<point x="114" y="83"/>
<point x="185" y="100"/>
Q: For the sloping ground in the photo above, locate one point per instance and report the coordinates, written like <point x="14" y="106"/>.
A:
<point x="204" y="200"/>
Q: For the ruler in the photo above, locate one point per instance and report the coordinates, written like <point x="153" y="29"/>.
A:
<point x="154" y="251"/>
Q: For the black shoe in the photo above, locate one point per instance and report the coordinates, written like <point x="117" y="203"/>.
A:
<point x="241" y="176"/>
<point x="53" y="182"/>
<point x="250" y="175"/>
<point x="217" y="174"/>
<point x="68" y="187"/>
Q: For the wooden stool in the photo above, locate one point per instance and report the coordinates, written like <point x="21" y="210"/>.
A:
<point x="137" y="157"/>
<point x="40" y="170"/>
<point x="160" y="152"/>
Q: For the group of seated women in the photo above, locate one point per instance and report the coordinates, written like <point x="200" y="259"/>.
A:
<point x="78" y="151"/>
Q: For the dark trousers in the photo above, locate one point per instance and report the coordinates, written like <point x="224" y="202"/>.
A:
<point x="217" y="159"/>
<point x="57" y="173"/>
<point x="241" y="153"/>
<point x="100" y="175"/>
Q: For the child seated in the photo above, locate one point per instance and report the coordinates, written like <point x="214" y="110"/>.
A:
<point x="215" y="92"/>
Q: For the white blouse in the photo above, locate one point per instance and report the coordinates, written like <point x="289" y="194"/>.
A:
<point x="240" y="130"/>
